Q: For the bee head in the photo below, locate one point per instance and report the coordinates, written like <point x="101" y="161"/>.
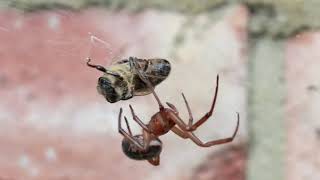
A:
<point x="111" y="85"/>
<point x="105" y="87"/>
<point x="112" y="88"/>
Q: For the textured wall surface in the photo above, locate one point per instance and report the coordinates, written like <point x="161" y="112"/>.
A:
<point x="228" y="164"/>
<point x="270" y="23"/>
<point x="302" y="106"/>
<point x="266" y="114"/>
<point x="283" y="18"/>
<point x="186" y="6"/>
<point x="54" y="125"/>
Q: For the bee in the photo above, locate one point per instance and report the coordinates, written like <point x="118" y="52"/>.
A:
<point x="120" y="81"/>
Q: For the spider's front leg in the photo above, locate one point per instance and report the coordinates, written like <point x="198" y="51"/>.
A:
<point x="186" y="134"/>
<point x="138" y="120"/>
<point x="192" y="127"/>
<point x="146" y="136"/>
<point x="208" y="114"/>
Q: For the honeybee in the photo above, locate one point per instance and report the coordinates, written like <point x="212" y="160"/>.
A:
<point x="120" y="81"/>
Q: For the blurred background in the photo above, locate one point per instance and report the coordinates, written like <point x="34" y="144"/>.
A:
<point x="55" y="126"/>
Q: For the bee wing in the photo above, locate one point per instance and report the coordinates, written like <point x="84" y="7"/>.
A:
<point x="122" y="61"/>
<point x="142" y="89"/>
<point x="150" y="76"/>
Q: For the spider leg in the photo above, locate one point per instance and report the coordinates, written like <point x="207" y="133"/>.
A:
<point x="179" y="132"/>
<point x="189" y="111"/>
<point x="154" y="161"/>
<point x="145" y="80"/>
<point x="128" y="127"/>
<point x="197" y="141"/>
<point x="189" y="126"/>
<point x="137" y="119"/>
<point x="208" y="114"/>
<point x="128" y="135"/>
<point x="172" y="107"/>
<point x="179" y="122"/>
<point x="146" y="135"/>
<point x="183" y="132"/>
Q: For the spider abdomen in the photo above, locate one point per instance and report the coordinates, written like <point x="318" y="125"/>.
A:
<point x="133" y="152"/>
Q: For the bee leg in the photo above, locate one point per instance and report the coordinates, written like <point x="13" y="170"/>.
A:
<point x="131" y="63"/>
<point x="101" y="68"/>
<point x="98" y="67"/>
<point x="128" y="94"/>
<point x="145" y="80"/>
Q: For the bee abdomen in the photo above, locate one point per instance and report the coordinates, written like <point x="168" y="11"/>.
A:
<point x="160" y="68"/>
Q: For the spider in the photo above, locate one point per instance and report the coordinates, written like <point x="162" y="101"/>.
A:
<point x="147" y="146"/>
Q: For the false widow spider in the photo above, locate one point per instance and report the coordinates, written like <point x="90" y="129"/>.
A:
<point x="147" y="146"/>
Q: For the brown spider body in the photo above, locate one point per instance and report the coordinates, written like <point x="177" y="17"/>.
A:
<point x="160" y="122"/>
<point x="147" y="145"/>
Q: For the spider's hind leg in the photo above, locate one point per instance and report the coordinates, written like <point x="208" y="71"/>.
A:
<point x="197" y="141"/>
